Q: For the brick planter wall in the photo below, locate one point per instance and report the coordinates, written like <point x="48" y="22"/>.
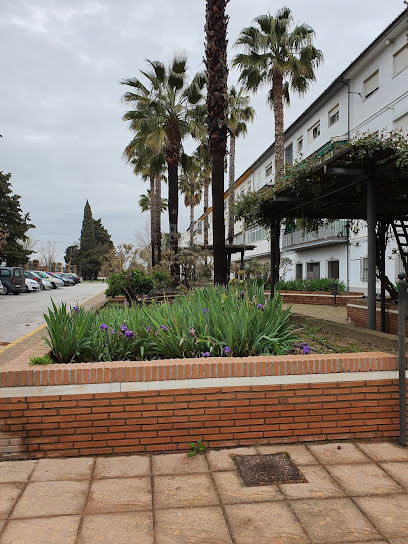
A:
<point x="125" y="407"/>
<point x="357" y="315"/>
<point x="319" y="297"/>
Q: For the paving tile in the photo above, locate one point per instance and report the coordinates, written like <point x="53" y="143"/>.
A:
<point x="233" y="491"/>
<point x="119" y="495"/>
<point x="58" y="530"/>
<point x="51" y="499"/>
<point x="63" y="469"/>
<point x="8" y="495"/>
<point x="222" y="459"/>
<point x="332" y="521"/>
<point x="398" y="471"/>
<point x="264" y="523"/>
<point x="126" y="528"/>
<point x="179" y="491"/>
<point x="178" y="463"/>
<point x="357" y="480"/>
<point x="16" y="471"/>
<point x="384" y="451"/>
<point x="319" y="485"/>
<point x="191" y="526"/>
<point x="122" y="467"/>
<point x="329" y="454"/>
<point x="387" y="514"/>
<point x="297" y="452"/>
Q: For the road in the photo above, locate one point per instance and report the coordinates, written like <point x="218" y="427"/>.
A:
<point x="22" y="314"/>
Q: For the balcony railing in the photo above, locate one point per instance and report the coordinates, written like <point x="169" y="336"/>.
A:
<point x="333" y="233"/>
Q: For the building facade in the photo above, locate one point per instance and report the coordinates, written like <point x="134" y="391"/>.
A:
<point x="369" y="97"/>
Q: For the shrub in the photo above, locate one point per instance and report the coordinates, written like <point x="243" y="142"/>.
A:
<point x="212" y="321"/>
<point x="129" y="283"/>
<point x="318" y="284"/>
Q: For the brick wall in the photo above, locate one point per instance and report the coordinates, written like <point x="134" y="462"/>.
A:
<point x="357" y="315"/>
<point x="143" y="421"/>
<point x="321" y="298"/>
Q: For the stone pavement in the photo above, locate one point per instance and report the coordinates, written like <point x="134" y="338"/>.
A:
<point x="331" y="313"/>
<point x="356" y="493"/>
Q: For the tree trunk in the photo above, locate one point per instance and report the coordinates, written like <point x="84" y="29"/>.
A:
<point x="206" y="187"/>
<point x="152" y="218"/>
<point x="158" y="219"/>
<point x="277" y="92"/>
<point x="231" y="189"/>
<point x="217" y="74"/>
<point x="172" y="159"/>
<point x="191" y="225"/>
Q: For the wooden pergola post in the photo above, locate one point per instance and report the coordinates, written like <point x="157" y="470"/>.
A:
<point x="371" y="249"/>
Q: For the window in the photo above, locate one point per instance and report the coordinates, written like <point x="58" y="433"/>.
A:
<point x="334" y="115"/>
<point x="289" y="154"/>
<point x="364" y="269"/>
<point x="249" y="188"/>
<point x="401" y="60"/>
<point x="299" y="271"/>
<point x="258" y="179"/>
<point x="402" y="124"/>
<point x="17" y="273"/>
<point x="268" y="171"/>
<point x="313" y="271"/>
<point x="333" y="270"/>
<point x="199" y="228"/>
<point x="4" y="273"/>
<point x="314" y="132"/>
<point x="300" y="145"/>
<point x="254" y="235"/>
<point x="371" y="84"/>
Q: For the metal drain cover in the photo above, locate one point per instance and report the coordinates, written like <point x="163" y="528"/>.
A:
<point x="277" y="468"/>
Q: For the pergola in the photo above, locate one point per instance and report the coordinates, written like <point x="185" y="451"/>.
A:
<point x="344" y="186"/>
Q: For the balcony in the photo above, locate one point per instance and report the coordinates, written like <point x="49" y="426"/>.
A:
<point x="333" y="233"/>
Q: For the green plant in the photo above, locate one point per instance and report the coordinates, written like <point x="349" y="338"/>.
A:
<point x="129" y="283"/>
<point x="318" y="284"/>
<point x="196" y="447"/>
<point x="44" y="360"/>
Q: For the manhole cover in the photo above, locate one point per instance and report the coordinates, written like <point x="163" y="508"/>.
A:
<point x="277" y="468"/>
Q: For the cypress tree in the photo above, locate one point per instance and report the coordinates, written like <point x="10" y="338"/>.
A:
<point x="88" y="254"/>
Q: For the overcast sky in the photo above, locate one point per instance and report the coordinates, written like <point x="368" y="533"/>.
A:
<point x="60" y="105"/>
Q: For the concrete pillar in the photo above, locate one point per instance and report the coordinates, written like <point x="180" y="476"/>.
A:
<point x="74" y="269"/>
<point x="59" y="267"/>
<point x="35" y="264"/>
<point x="68" y="267"/>
<point x="53" y="267"/>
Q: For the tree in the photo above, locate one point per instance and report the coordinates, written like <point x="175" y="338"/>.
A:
<point x="217" y="75"/>
<point x="72" y="254"/>
<point x="239" y="113"/>
<point x="89" y="261"/>
<point x="191" y="186"/>
<point x="278" y="57"/>
<point x="165" y="112"/>
<point x="14" y="225"/>
<point x="145" y="202"/>
<point x="48" y="253"/>
<point x="202" y="154"/>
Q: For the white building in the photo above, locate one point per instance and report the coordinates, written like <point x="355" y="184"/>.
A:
<point x="370" y="96"/>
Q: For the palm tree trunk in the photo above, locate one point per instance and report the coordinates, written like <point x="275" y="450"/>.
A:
<point x="231" y="189"/>
<point x="217" y="74"/>
<point x="152" y="218"/>
<point x="172" y="159"/>
<point x="277" y="91"/>
<point x="206" y="187"/>
<point x="158" y="219"/>
<point x="191" y="225"/>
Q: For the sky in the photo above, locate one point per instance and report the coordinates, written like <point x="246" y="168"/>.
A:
<point x="61" y="112"/>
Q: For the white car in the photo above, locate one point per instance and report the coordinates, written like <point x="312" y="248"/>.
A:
<point x="31" y="285"/>
<point x="2" y="290"/>
<point x="55" y="282"/>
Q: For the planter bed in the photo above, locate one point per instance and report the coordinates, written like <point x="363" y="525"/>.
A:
<point x="319" y="297"/>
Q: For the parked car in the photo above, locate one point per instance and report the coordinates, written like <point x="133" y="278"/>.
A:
<point x="2" y="290"/>
<point x="44" y="283"/>
<point x="31" y="285"/>
<point x="55" y="282"/>
<point x="12" y="278"/>
<point x="75" y="277"/>
<point x="67" y="281"/>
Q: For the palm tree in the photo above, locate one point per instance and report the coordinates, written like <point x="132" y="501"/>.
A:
<point x="217" y="88"/>
<point x="239" y="113"/>
<point x="278" y="57"/>
<point x="191" y="186"/>
<point x="145" y="202"/>
<point x="165" y="111"/>
<point x="203" y="156"/>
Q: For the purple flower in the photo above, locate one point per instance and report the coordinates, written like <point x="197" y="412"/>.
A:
<point x="112" y="332"/>
<point x="146" y="296"/>
<point x="129" y="334"/>
<point x="204" y="310"/>
<point x="306" y="349"/>
<point x="126" y="303"/>
<point x="226" y="350"/>
<point x="163" y="327"/>
<point x="191" y="332"/>
<point x="148" y="329"/>
<point x="242" y="293"/>
<point x="75" y="309"/>
<point x="260" y="306"/>
<point x="103" y="327"/>
<point x="124" y="327"/>
<point x="205" y="354"/>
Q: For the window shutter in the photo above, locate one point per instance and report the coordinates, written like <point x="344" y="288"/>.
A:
<point x="371" y="84"/>
<point x="401" y="60"/>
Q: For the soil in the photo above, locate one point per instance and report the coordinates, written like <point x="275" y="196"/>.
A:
<point x="319" y="341"/>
